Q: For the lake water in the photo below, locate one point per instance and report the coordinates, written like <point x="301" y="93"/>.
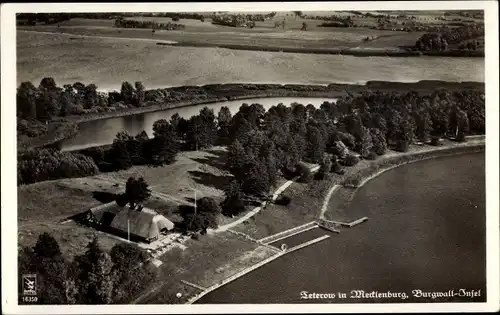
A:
<point x="426" y="231"/>
<point x="102" y="132"/>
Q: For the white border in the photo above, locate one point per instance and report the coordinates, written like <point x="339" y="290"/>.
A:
<point x="9" y="176"/>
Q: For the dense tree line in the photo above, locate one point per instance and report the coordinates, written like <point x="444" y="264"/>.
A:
<point x="268" y="144"/>
<point x="95" y="277"/>
<point x="265" y="144"/>
<point x="237" y="20"/>
<point x="47" y="164"/>
<point x="48" y="100"/>
<point x="439" y="40"/>
<point x="126" y="23"/>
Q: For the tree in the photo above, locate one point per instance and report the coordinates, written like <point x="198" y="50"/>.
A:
<point x="201" y="130"/>
<point x="298" y="13"/>
<point x="233" y="203"/>
<point x="90" y="96"/>
<point x="315" y="144"/>
<point x="268" y="155"/>
<point x="26" y="100"/>
<point x="256" y="180"/>
<point x="119" y="155"/>
<point x="423" y="124"/>
<point x="48" y="99"/>
<point x="127" y="93"/>
<point x="139" y="93"/>
<point x="179" y="124"/>
<point x="379" y="141"/>
<point x="126" y="256"/>
<point x="136" y="191"/>
<point x="208" y="205"/>
<point x="163" y="128"/>
<point x="324" y="169"/>
<point x="236" y="159"/>
<point x="48" y="83"/>
<point x="209" y="125"/>
<point x="47" y="246"/>
<point x="366" y="143"/>
<point x="202" y="217"/>
<point x="291" y="154"/>
<point x="304" y="172"/>
<point x="46" y="261"/>
<point x="93" y="275"/>
<point x="224" y="123"/>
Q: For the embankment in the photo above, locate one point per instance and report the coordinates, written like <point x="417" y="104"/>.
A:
<point x="195" y="95"/>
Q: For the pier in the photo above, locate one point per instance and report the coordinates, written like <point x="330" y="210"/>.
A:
<point x="193" y="285"/>
<point x="288" y="233"/>
<point x="251" y="268"/>
<point x="323" y="222"/>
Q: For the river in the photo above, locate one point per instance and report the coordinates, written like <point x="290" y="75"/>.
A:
<point x="103" y="131"/>
<point x="426" y="231"/>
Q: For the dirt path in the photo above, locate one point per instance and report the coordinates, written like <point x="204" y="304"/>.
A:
<point x="256" y="210"/>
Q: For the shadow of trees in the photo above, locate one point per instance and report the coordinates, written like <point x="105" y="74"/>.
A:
<point x="210" y="180"/>
<point x="104" y="196"/>
<point x="218" y="160"/>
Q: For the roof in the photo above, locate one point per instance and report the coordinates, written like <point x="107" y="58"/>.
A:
<point x="146" y="223"/>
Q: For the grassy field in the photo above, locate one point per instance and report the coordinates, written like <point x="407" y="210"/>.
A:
<point x="307" y="200"/>
<point x="204" y="262"/>
<point x="42" y="206"/>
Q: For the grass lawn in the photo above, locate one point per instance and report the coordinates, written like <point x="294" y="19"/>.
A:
<point x="205" y="261"/>
<point x="305" y="207"/>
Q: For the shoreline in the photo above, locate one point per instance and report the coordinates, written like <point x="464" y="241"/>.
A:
<point x="477" y="144"/>
<point x="214" y="93"/>
<point x="359" y="177"/>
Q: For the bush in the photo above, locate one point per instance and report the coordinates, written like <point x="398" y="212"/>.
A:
<point x="304" y="172"/>
<point x="283" y="200"/>
<point x="337" y="169"/>
<point x="371" y="156"/>
<point x="402" y="146"/>
<point x="351" y="160"/>
<point x="435" y="141"/>
<point x="461" y="137"/>
<point x="176" y="19"/>
<point x="31" y="127"/>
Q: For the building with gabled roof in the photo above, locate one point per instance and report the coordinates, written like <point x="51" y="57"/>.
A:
<point x="139" y="224"/>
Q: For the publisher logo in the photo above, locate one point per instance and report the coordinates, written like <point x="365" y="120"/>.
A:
<point x="29" y="284"/>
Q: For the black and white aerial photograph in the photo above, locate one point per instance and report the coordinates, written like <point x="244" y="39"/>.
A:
<point x="200" y="154"/>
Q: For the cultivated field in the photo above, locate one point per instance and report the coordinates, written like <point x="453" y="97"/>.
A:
<point x="107" y="62"/>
